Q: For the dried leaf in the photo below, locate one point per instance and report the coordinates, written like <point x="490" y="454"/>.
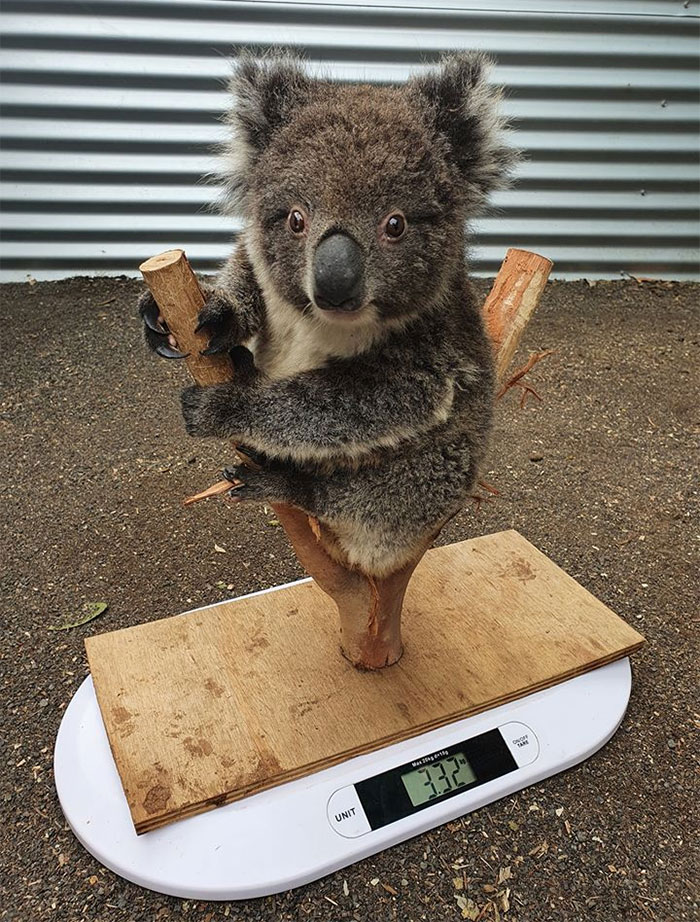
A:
<point x="539" y="850"/>
<point x="390" y="889"/>
<point x="513" y="825"/>
<point x="458" y="883"/>
<point x="504" y="874"/>
<point x="469" y="908"/>
<point x="504" y="898"/>
<point x="91" y="610"/>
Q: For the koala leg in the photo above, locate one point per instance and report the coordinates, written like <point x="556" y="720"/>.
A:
<point x="384" y="516"/>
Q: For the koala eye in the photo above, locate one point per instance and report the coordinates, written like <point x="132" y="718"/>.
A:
<point x="395" y="226"/>
<point x="296" y="221"/>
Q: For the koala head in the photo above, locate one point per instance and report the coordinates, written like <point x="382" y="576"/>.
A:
<point x="355" y="196"/>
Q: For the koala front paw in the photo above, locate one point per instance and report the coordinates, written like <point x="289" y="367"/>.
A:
<point x="198" y="411"/>
<point x="158" y="336"/>
<point x="218" y="319"/>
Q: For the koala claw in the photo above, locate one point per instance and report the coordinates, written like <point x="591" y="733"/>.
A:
<point x="245" y="491"/>
<point x="151" y="315"/>
<point x="166" y="351"/>
<point x="156" y="329"/>
<point x="217" y="317"/>
<point x="216" y="345"/>
<point x="235" y="474"/>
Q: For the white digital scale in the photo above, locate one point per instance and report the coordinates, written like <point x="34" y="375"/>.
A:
<point x="302" y="830"/>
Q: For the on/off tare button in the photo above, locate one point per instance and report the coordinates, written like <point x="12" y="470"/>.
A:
<point x="345" y="813"/>
<point x="521" y="741"/>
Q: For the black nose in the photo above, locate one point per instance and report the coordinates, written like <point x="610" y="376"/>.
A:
<point x="338" y="273"/>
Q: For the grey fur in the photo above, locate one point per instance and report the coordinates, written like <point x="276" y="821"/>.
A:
<point x="375" y="423"/>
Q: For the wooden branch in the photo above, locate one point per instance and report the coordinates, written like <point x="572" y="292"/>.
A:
<point x="369" y="608"/>
<point x="176" y="291"/>
<point x="512" y="301"/>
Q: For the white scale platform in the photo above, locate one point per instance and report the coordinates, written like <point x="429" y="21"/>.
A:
<point x="302" y="830"/>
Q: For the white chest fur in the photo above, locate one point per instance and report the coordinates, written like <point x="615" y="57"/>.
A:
<point x="293" y="342"/>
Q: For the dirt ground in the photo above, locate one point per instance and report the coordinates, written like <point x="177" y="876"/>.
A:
<point x="599" y="475"/>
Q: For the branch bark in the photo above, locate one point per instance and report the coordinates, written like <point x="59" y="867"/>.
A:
<point x="369" y="609"/>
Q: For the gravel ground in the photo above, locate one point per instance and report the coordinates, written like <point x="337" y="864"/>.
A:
<point x="599" y="476"/>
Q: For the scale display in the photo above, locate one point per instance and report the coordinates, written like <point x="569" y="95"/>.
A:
<point x="395" y="794"/>
<point x="430" y="781"/>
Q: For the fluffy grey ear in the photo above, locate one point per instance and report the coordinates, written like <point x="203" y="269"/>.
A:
<point x="266" y="90"/>
<point x="464" y="110"/>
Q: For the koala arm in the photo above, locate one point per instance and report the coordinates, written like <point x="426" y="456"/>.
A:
<point x="234" y="309"/>
<point x="346" y="409"/>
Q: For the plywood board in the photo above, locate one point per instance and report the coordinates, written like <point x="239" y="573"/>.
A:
<point x="206" y="707"/>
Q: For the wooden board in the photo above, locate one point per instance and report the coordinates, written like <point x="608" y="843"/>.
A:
<point x="206" y="707"/>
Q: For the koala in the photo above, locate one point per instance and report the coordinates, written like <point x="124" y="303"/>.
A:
<point x="364" y="377"/>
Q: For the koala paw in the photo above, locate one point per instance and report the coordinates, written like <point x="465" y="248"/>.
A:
<point x="256" y="486"/>
<point x="158" y="336"/>
<point x="218" y="320"/>
<point x="198" y="412"/>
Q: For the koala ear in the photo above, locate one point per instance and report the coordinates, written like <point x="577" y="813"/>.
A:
<point x="464" y="110"/>
<point x="266" y="90"/>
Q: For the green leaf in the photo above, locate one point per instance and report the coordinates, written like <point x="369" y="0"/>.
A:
<point x="91" y="610"/>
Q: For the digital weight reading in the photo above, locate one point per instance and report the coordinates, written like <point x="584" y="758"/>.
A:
<point x="437" y="778"/>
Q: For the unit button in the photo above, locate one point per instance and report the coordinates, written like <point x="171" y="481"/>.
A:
<point x="345" y="813"/>
<point x="521" y="741"/>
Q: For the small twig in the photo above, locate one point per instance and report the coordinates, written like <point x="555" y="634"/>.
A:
<point x="514" y="380"/>
<point x="478" y="500"/>
<point x="216" y="489"/>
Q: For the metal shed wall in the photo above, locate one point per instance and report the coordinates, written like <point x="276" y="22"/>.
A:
<point x="110" y="109"/>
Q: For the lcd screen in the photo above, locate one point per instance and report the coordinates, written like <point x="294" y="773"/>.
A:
<point x="437" y="778"/>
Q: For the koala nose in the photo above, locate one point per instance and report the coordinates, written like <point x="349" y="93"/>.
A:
<point x="338" y="273"/>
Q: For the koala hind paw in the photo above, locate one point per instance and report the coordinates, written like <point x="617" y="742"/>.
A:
<point x="248" y="485"/>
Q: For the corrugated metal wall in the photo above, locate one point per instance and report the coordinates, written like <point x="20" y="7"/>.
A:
<point x="110" y="110"/>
